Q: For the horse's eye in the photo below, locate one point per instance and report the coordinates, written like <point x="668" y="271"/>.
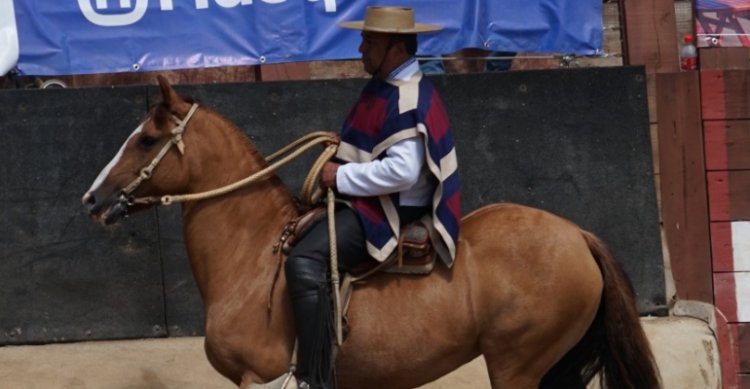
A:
<point x="146" y="141"/>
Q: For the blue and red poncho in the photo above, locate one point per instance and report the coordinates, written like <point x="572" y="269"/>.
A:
<point x="388" y="112"/>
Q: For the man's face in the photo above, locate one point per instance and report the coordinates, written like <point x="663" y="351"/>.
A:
<point x="373" y="48"/>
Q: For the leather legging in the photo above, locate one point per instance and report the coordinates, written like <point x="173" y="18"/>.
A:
<point x="308" y="279"/>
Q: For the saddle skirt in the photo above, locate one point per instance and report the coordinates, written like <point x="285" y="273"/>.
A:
<point x="415" y="253"/>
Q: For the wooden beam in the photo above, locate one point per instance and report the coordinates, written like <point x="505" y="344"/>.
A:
<point x="284" y="71"/>
<point x="729" y="195"/>
<point x="650" y="35"/>
<point x="727" y="144"/>
<point x="724" y="58"/>
<point x="683" y="184"/>
<point x="744" y="341"/>
<point x="725" y="94"/>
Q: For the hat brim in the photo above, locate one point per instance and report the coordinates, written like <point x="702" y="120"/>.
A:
<point x="418" y="27"/>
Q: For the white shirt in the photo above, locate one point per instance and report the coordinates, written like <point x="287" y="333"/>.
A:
<point x="401" y="170"/>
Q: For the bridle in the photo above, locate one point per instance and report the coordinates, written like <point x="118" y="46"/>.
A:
<point x="126" y="198"/>
<point x="310" y="192"/>
<point x="309" y="196"/>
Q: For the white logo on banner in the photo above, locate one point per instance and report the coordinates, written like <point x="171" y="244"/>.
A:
<point x="329" y="4"/>
<point x="131" y="14"/>
<point x="112" y="20"/>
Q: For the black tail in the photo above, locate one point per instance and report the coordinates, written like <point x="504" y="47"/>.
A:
<point x="615" y="345"/>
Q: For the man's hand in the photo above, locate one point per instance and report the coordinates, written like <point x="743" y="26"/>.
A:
<point x="335" y="137"/>
<point x="328" y="175"/>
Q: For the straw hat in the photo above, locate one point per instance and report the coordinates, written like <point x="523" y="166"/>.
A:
<point x="392" y="20"/>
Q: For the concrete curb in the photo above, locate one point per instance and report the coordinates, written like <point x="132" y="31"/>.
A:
<point x="685" y="349"/>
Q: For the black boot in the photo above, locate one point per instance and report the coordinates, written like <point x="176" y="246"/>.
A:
<point x="313" y="319"/>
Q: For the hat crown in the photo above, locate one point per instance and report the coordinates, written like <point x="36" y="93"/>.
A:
<point x="392" y="20"/>
<point x="389" y="18"/>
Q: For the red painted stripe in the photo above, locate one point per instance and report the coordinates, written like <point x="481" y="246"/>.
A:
<point x="726" y="338"/>
<point x="721" y="247"/>
<point x="725" y="295"/>
<point x="715" y="139"/>
<point x="718" y="195"/>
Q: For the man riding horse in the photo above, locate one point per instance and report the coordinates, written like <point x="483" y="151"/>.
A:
<point x="542" y="300"/>
<point x="395" y="164"/>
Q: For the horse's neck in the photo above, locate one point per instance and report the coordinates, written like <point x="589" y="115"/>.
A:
<point x="229" y="239"/>
<point x="230" y="243"/>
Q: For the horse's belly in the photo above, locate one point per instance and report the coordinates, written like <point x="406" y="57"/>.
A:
<point x="408" y="330"/>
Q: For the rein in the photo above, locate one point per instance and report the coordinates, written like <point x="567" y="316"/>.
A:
<point x="310" y="192"/>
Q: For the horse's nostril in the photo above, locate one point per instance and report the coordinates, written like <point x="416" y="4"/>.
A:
<point x="88" y="199"/>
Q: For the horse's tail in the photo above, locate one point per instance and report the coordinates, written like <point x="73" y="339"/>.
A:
<point x="614" y="345"/>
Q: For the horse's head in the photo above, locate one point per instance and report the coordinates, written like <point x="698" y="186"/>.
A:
<point x="149" y="163"/>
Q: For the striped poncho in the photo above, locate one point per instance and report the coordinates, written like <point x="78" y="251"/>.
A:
<point x="388" y="112"/>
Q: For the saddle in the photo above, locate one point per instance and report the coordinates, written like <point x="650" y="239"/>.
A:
<point x="415" y="253"/>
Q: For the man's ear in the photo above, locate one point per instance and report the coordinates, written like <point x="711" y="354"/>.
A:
<point x="400" y="48"/>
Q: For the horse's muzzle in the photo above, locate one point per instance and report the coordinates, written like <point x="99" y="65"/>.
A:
<point x="105" y="211"/>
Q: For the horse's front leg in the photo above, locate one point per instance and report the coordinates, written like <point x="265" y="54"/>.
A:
<point x="250" y="380"/>
<point x="286" y="381"/>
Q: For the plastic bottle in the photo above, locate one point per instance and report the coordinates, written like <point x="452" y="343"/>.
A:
<point x="688" y="54"/>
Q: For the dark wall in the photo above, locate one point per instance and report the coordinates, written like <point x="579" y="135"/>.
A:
<point x="574" y="142"/>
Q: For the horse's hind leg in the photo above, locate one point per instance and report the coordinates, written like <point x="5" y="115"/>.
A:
<point x="521" y="362"/>
<point x="503" y="377"/>
<point x="509" y="369"/>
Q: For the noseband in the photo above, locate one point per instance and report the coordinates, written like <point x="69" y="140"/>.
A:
<point x="126" y="195"/>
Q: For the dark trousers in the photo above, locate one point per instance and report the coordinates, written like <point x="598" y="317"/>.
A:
<point x="307" y="274"/>
<point x="308" y="279"/>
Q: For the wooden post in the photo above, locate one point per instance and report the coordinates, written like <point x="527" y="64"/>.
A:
<point x="650" y="35"/>
<point x="683" y="184"/>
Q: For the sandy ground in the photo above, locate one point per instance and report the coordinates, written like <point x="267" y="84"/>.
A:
<point x="685" y="350"/>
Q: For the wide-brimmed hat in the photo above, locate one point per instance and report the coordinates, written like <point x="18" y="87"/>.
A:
<point x="391" y="20"/>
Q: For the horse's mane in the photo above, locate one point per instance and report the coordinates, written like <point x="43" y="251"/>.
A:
<point x="161" y="114"/>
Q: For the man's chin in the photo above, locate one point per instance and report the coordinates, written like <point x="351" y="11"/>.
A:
<point x="368" y="69"/>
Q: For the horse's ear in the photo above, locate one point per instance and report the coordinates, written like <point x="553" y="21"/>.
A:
<point x="175" y="103"/>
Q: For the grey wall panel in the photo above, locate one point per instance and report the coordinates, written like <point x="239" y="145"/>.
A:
<point x="574" y="142"/>
<point x="64" y="278"/>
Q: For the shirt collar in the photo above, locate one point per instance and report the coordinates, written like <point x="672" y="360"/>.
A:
<point x="405" y="71"/>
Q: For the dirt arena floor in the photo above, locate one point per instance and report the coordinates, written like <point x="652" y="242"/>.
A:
<point x="685" y="350"/>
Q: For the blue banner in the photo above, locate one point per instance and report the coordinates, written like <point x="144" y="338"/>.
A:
<point x="104" y="36"/>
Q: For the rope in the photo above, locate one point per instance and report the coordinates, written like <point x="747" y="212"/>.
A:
<point x="311" y="140"/>
<point x="311" y="192"/>
<point x="309" y="196"/>
<point x="334" y="267"/>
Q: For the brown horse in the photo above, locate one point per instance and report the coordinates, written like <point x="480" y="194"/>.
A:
<point x="541" y="299"/>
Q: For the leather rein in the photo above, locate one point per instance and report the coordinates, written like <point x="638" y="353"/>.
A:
<point x="310" y="192"/>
